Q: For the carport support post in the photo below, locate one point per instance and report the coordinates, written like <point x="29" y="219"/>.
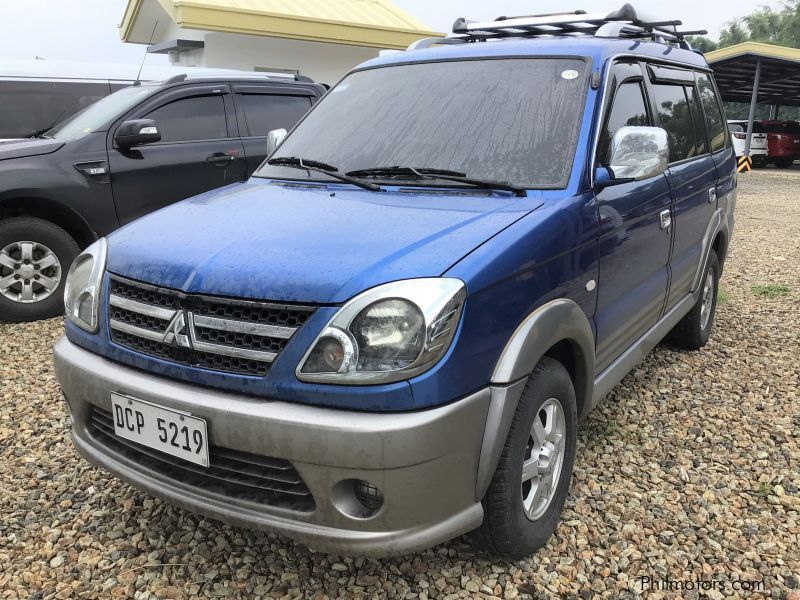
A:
<point x="753" y="101"/>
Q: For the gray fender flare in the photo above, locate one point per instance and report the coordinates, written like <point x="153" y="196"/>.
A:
<point x="556" y="321"/>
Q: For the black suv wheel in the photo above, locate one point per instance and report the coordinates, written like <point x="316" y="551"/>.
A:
<point x="527" y="493"/>
<point x="35" y="256"/>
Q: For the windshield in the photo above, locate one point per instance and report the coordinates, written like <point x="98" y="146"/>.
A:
<point x="513" y="120"/>
<point x="98" y="115"/>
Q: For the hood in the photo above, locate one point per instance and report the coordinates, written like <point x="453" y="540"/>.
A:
<point x="11" y="148"/>
<point x="323" y="245"/>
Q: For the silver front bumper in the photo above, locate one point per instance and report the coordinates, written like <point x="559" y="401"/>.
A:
<point x="424" y="462"/>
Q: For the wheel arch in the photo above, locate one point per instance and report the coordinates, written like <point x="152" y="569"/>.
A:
<point x="558" y="329"/>
<point x="561" y="330"/>
<point x="52" y="211"/>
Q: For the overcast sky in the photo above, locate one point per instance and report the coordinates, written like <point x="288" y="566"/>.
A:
<point x="87" y="29"/>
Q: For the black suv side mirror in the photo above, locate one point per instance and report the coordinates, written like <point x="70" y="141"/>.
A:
<point x="136" y="132"/>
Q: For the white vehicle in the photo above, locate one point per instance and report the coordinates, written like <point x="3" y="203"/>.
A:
<point x="758" y="143"/>
<point x="35" y="95"/>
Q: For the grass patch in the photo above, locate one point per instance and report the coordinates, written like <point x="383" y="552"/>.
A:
<point x="765" y="489"/>
<point x="722" y="296"/>
<point x="773" y="290"/>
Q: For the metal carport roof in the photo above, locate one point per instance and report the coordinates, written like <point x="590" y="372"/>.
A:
<point x="735" y="70"/>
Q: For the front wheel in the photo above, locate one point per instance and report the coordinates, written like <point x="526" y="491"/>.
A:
<point x="35" y="256"/>
<point x="523" y="504"/>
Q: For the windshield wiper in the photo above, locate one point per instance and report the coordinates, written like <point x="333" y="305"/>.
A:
<point x="39" y="133"/>
<point x="321" y="167"/>
<point x="426" y="173"/>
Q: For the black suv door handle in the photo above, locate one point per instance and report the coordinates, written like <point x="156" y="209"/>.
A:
<point x="222" y="157"/>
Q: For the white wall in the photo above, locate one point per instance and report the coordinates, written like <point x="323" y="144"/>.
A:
<point x="325" y="63"/>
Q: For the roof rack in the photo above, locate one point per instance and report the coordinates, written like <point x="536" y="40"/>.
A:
<point x="622" y="23"/>
<point x="239" y="75"/>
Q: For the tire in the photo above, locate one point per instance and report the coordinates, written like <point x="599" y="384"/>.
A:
<point x="760" y="163"/>
<point x="51" y="251"/>
<point x="693" y="331"/>
<point x="507" y="530"/>
<point x="784" y="163"/>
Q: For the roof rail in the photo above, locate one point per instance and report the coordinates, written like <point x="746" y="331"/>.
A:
<point x="240" y="75"/>
<point x="623" y="23"/>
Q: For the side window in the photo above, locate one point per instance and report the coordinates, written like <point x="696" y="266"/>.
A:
<point x="672" y="107"/>
<point x="628" y="108"/>
<point x="715" y="120"/>
<point x="264" y="112"/>
<point x="195" y="118"/>
<point x="701" y="147"/>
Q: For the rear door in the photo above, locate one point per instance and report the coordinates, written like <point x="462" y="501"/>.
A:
<point x="634" y="246"/>
<point x="691" y="174"/>
<point x="199" y="150"/>
<point x="262" y="108"/>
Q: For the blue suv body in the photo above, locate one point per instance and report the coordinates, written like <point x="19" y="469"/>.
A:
<point x="385" y="338"/>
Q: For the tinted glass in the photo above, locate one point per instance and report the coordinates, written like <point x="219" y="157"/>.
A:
<point x="196" y="118"/>
<point x="715" y="120"/>
<point x="264" y="113"/>
<point x="628" y="108"/>
<point x="701" y="147"/>
<point x="513" y="120"/>
<point x="100" y="114"/>
<point x="735" y="127"/>
<point x="28" y="107"/>
<point x="674" y="116"/>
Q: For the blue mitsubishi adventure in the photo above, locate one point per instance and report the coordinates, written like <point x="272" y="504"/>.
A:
<point x="386" y="337"/>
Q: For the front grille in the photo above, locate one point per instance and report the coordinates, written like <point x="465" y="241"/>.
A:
<point x="234" y="336"/>
<point x="232" y="474"/>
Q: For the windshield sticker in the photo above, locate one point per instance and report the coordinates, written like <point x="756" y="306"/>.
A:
<point x="569" y="74"/>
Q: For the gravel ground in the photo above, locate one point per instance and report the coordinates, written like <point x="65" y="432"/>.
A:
<point x="688" y="470"/>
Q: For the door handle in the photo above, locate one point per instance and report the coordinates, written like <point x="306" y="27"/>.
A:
<point x="665" y="217"/>
<point x="222" y="157"/>
<point x="712" y="194"/>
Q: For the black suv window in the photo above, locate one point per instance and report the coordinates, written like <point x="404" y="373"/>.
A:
<point x="264" y="112"/>
<point x="715" y="121"/>
<point x="672" y="106"/>
<point x="628" y="109"/>
<point x="195" y="118"/>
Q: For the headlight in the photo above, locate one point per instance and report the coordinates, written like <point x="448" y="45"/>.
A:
<point x="81" y="293"/>
<point x="389" y="333"/>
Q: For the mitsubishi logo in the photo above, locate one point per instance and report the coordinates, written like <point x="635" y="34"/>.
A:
<point x="176" y="333"/>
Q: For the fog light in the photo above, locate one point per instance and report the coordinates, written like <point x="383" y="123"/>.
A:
<point x="367" y="494"/>
<point x="357" y="499"/>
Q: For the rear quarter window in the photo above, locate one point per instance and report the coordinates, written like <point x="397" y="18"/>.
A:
<point x="714" y="118"/>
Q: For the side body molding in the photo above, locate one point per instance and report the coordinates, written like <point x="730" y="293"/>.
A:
<point x="557" y="321"/>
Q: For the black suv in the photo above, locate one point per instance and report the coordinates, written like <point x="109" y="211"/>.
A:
<point x="132" y="152"/>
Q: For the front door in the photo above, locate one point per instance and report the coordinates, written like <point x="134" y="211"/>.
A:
<point x="692" y="174"/>
<point x="635" y="235"/>
<point x="198" y="151"/>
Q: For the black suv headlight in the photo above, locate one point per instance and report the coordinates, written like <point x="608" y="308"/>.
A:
<point x="389" y="333"/>
<point x="82" y="291"/>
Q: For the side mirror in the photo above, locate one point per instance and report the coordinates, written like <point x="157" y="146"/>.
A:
<point x="636" y="153"/>
<point x="274" y="139"/>
<point x="136" y="132"/>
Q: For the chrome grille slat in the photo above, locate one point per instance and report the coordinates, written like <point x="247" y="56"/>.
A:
<point x="140" y="307"/>
<point x="148" y="334"/>
<point x="244" y="327"/>
<point x="242" y="337"/>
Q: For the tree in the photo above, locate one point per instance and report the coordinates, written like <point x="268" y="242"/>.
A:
<point x="780" y="27"/>
<point x="702" y="43"/>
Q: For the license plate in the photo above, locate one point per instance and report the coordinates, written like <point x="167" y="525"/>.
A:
<point x="169" y="431"/>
